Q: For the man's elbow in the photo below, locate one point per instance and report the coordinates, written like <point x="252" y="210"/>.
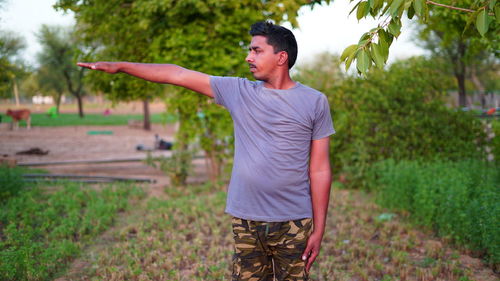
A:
<point x="177" y="75"/>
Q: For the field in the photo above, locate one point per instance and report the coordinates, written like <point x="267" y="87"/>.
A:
<point x="182" y="233"/>
<point x="63" y="119"/>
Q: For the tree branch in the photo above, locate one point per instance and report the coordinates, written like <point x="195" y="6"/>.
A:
<point x="450" y="7"/>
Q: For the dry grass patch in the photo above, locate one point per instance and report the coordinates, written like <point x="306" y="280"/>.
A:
<point x="188" y="237"/>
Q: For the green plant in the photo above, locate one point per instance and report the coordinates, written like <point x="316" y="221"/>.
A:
<point x="458" y="200"/>
<point x="399" y="113"/>
<point x="11" y="182"/>
<point x="42" y="231"/>
<point x="495" y="142"/>
<point x="177" y="166"/>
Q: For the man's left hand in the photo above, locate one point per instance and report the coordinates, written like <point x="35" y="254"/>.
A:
<point x="312" y="249"/>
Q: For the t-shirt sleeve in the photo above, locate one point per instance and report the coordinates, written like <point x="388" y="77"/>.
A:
<point x="323" y="124"/>
<point x="226" y="90"/>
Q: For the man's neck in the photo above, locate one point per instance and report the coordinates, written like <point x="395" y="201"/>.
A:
<point x="283" y="82"/>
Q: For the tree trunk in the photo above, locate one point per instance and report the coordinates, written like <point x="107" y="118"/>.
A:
<point x="58" y="102"/>
<point x="16" y="93"/>
<point x="479" y="86"/>
<point x="462" y="95"/>
<point x="460" y="74"/>
<point x="147" y="118"/>
<point x="80" y="105"/>
<point x="214" y="166"/>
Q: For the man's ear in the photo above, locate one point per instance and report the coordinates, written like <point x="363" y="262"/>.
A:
<point x="283" y="58"/>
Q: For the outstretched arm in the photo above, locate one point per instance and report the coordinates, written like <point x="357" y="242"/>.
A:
<point x="321" y="181"/>
<point x="158" y="73"/>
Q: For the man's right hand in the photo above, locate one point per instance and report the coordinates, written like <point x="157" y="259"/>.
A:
<point x="109" y="67"/>
<point x="158" y="73"/>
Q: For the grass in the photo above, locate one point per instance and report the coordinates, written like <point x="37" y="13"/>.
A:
<point x="73" y="119"/>
<point x="458" y="200"/>
<point x="188" y="237"/>
<point x="42" y="229"/>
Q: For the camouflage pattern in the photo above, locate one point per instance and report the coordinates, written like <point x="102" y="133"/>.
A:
<point x="268" y="250"/>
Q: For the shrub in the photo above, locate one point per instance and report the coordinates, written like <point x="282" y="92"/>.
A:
<point x="177" y="166"/>
<point x="41" y="231"/>
<point x="400" y="114"/>
<point x="11" y="182"/>
<point x="459" y="200"/>
<point x="495" y="142"/>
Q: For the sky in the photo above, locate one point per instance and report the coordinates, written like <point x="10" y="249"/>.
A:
<point x="325" y="28"/>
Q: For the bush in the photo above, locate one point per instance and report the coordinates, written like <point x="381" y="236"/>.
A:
<point x="177" y="166"/>
<point x="41" y="232"/>
<point x="11" y="182"/>
<point x="459" y="200"/>
<point x="495" y="142"/>
<point x="398" y="113"/>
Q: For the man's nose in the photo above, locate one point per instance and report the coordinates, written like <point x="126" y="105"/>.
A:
<point x="249" y="57"/>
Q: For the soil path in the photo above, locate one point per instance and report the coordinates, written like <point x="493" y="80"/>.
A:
<point x="75" y="143"/>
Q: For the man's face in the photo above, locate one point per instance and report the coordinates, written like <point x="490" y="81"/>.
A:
<point x="261" y="58"/>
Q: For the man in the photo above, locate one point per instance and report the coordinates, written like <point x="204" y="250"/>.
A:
<point x="280" y="183"/>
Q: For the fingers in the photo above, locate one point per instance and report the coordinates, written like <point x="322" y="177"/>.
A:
<point x="87" y="65"/>
<point x="310" y="254"/>
<point x="311" y="260"/>
<point x="307" y="252"/>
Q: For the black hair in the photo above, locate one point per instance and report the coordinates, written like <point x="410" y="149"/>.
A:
<point x="277" y="36"/>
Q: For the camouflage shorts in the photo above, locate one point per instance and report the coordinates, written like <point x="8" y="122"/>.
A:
<point x="264" y="250"/>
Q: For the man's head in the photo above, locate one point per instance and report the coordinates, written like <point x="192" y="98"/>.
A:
<point x="277" y="36"/>
<point x="272" y="51"/>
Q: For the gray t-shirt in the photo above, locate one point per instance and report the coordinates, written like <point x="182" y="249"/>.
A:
<point x="273" y="131"/>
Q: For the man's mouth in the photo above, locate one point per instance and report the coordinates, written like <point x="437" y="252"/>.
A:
<point x="252" y="66"/>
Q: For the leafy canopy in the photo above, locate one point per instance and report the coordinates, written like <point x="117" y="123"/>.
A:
<point x="373" y="46"/>
<point x="11" y="65"/>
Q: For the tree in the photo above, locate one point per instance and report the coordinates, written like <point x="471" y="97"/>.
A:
<point x="373" y="46"/>
<point x="207" y="36"/>
<point x="57" y="60"/>
<point x="44" y="80"/>
<point x="323" y="72"/>
<point x="12" y="68"/>
<point x="445" y="35"/>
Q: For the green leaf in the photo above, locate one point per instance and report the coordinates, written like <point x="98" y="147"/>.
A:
<point x="395" y="27"/>
<point x="482" y="22"/>
<point x="393" y="10"/>
<point x="384" y="41"/>
<point x="364" y="38"/>
<point x="470" y="20"/>
<point x="378" y="4"/>
<point x="377" y="56"/>
<point x="386" y="7"/>
<point x="362" y="10"/>
<point x="492" y="4"/>
<point x="362" y="61"/>
<point x="418" y="5"/>
<point x="349" y="60"/>
<point x="348" y="51"/>
<point x="497" y="13"/>
<point x="354" y="8"/>
<point x="407" y="5"/>
<point x="411" y="12"/>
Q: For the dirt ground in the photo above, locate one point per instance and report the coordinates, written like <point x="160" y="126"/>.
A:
<point x="74" y="143"/>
